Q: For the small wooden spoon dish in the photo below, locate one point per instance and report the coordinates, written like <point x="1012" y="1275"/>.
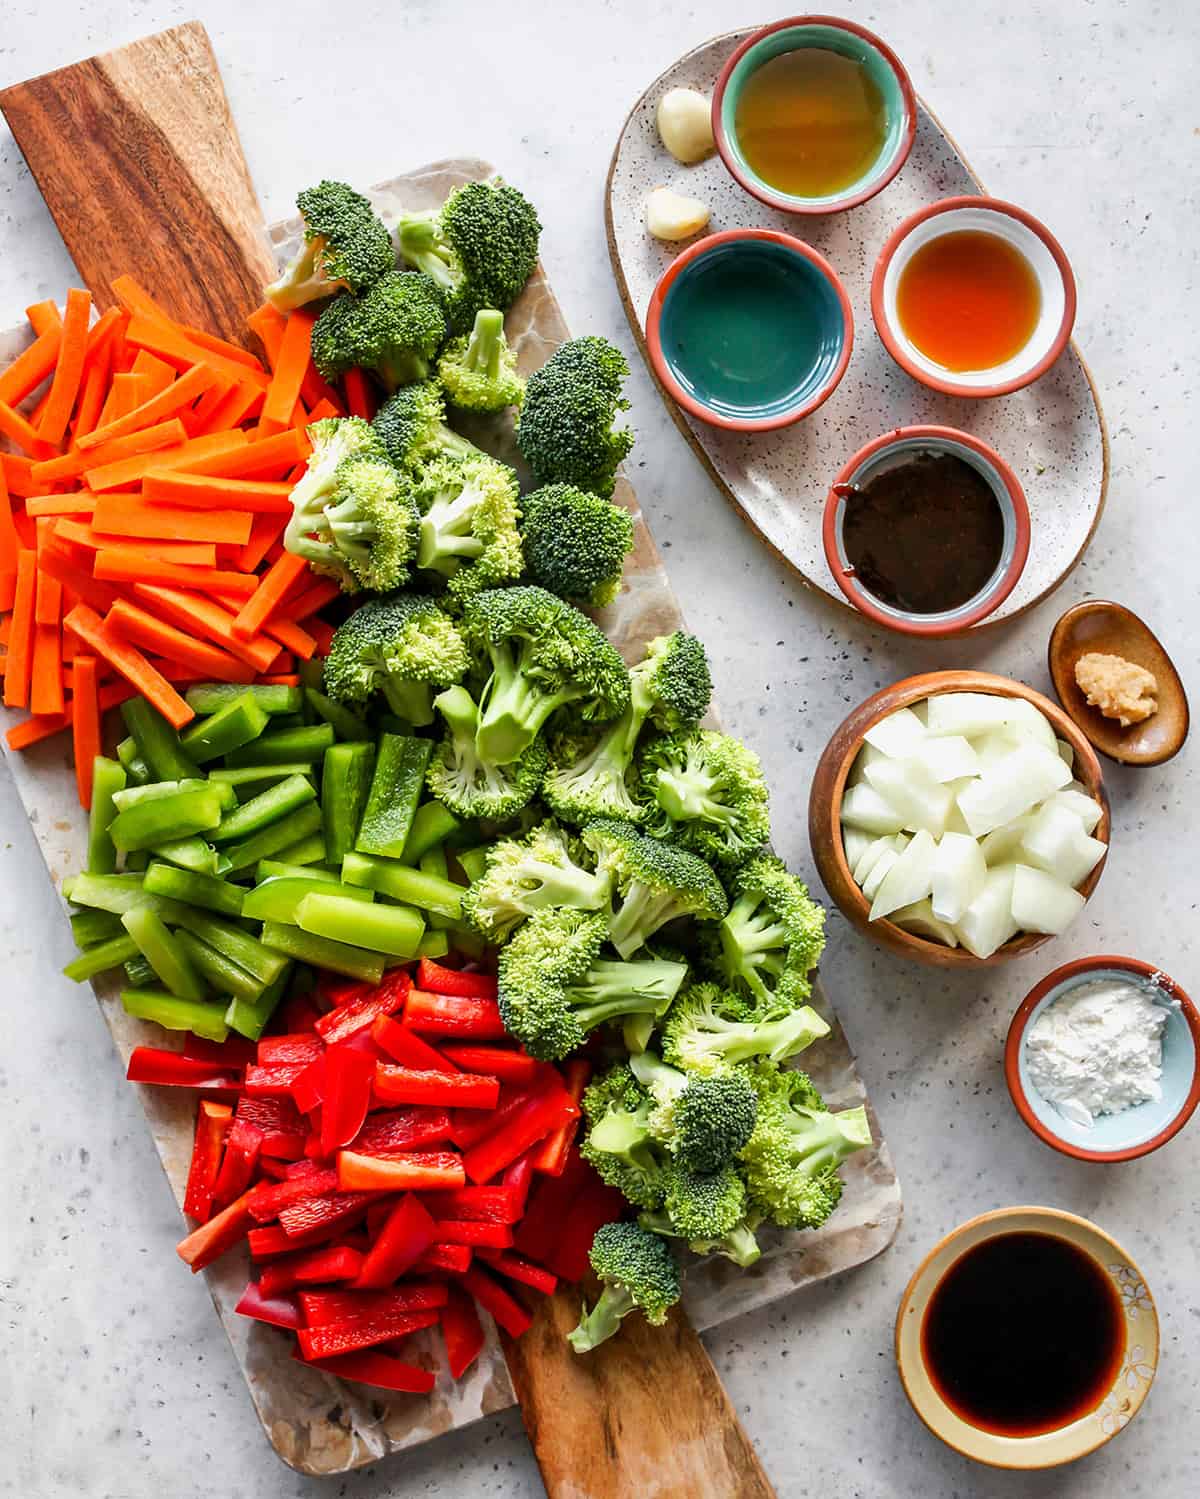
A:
<point x="1111" y="629"/>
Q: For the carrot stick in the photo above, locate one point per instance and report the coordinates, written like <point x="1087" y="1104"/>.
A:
<point x="197" y="419"/>
<point x="309" y="600"/>
<point x="10" y="546"/>
<point x="20" y="640"/>
<point x="322" y="632"/>
<point x="137" y="515"/>
<point x="126" y="472"/>
<point x="268" y="324"/>
<point x="85" y="724"/>
<point x="125" y="564"/>
<point x="269" y="457"/>
<point x="200" y="491"/>
<point x="61" y="564"/>
<point x="46" y="684"/>
<point x="182" y="553"/>
<point x="141" y="303"/>
<point x="214" y="345"/>
<point x="206" y="660"/>
<point x="321" y="410"/>
<point x="291" y="635"/>
<point x="242" y="403"/>
<point x="97" y="377"/>
<point x="18" y="475"/>
<point x="168" y="402"/>
<point x="43" y="317"/>
<point x="157" y="371"/>
<point x="280" y="679"/>
<point x="130" y="663"/>
<point x="196" y="614"/>
<point x="14" y="426"/>
<point x="30" y="367"/>
<point x="71" y="465"/>
<point x="265" y="530"/>
<point x="360" y="399"/>
<point x="78" y="502"/>
<point x="34" y="730"/>
<point x="168" y="343"/>
<point x="272" y="586"/>
<point x="69" y="370"/>
<point x="47" y="600"/>
<point x="290" y="367"/>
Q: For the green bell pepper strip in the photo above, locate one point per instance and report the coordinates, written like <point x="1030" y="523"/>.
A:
<point x="396" y="930"/>
<point x="194" y="889"/>
<point x="276" y="869"/>
<point x="117" y="893"/>
<point x="433" y="863"/>
<point x="310" y="850"/>
<point x="354" y="962"/>
<point x="100" y="956"/>
<point x="278" y="900"/>
<point x="157" y="742"/>
<point x="138" y="971"/>
<point x="473" y="861"/>
<point x="412" y="886"/>
<point x="136" y="860"/>
<point x="392" y="723"/>
<point x="154" y="791"/>
<point x="249" y="1017"/>
<point x="433" y="945"/>
<point x="222" y="973"/>
<point x="174" y="1014"/>
<point x="136" y="769"/>
<point x="165" y="819"/>
<point x="164" y="953"/>
<point x="345" y="786"/>
<point x="108" y="778"/>
<point x="432" y="824"/>
<point x="193" y="854"/>
<point x="231" y="726"/>
<point x="90" y="927"/>
<point x="239" y="776"/>
<point x="210" y="697"/>
<point x="306" y="744"/>
<point x="275" y="837"/>
<point x="237" y="945"/>
<point x="265" y="808"/>
<point x="396" y="786"/>
<point x="344" y="723"/>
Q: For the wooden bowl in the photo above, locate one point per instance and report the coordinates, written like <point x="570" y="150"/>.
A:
<point x="829" y="782"/>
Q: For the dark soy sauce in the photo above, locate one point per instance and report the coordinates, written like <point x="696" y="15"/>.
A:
<point x="1024" y="1334"/>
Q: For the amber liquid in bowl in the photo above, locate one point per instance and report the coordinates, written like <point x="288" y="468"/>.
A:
<point x="968" y="300"/>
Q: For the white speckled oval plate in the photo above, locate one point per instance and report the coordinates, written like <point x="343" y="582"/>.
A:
<point x="1052" y="433"/>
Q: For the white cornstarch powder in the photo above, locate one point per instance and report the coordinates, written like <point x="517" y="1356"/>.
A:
<point x="1097" y="1049"/>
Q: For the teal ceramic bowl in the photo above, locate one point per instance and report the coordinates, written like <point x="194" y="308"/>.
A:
<point x="1133" y="1132"/>
<point x="749" y="329"/>
<point x="832" y="35"/>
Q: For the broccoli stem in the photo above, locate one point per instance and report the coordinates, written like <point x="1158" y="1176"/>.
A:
<point x="409" y="700"/>
<point x="402" y="369"/>
<point x="739" y="1245"/>
<point x="753" y="944"/>
<point x="604" y="1319"/>
<point x="643" y="910"/>
<point x="624" y="1135"/>
<point x="685" y="795"/>
<point x="554" y="886"/>
<point x="421" y="246"/>
<point x="822" y="1140"/>
<point x="486" y="343"/>
<point x="300" y="281"/>
<point x="515" y="709"/>
<point x="445" y="535"/>
<point x="775" y="1039"/>
<point x="653" y="1073"/>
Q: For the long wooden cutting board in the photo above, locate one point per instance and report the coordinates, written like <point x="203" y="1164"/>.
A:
<point x="163" y="90"/>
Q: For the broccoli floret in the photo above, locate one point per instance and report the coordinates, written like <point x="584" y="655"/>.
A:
<point x="469" y="519"/>
<point x="703" y="1120"/>
<point x="523" y="875"/>
<point x="555" y="989"/>
<point x="394" y="329"/>
<point x="365" y="532"/>
<point x="403" y="647"/>
<point x="411" y="424"/>
<point x="703" y="1205"/>
<point x="544" y="655"/>
<point x="619" y="1144"/>
<point x="656" y="882"/>
<point x="772" y="938"/>
<point x="575" y="543"/>
<point x="480" y="247"/>
<point x="333" y="439"/>
<point x="739" y="1244"/>
<point x="469" y="785"/>
<point x="638" y="1272"/>
<point x="707" y="791"/>
<point x="792" y="1158"/>
<point x="479" y="370"/>
<point x="590" y="774"/>
<point x="708" y="1030"/>
<point x="345" y="248"/>
<point x="565" y="429"/>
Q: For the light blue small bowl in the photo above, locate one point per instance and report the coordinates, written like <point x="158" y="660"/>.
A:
<point x="1133" y="1132"/>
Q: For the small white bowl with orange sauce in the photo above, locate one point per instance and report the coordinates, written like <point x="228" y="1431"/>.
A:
<point x="973" y="297"/>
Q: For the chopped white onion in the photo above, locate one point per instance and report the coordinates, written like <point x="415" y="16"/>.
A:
<point x="1040" y="903"/>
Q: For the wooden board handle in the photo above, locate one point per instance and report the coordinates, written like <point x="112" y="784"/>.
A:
<point x="139" y="161"/>
<point x="644" y="1416"/>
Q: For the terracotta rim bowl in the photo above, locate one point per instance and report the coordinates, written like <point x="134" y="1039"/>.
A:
<point x="1049" y="1449"/>
<point x="829" y="783"/>
<point x="1144" y="1132"/>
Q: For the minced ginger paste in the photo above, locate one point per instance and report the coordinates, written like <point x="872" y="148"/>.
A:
<point x="1119" y="688"/>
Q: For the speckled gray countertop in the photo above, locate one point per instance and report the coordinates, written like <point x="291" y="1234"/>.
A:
<point x="115" y="1374"/>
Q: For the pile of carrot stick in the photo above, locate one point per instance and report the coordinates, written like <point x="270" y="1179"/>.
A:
<point x="144" y="491"/>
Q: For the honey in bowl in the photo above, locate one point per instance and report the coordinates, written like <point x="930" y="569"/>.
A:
<point x="810" y="122"/>
<point x="968" y="300"/>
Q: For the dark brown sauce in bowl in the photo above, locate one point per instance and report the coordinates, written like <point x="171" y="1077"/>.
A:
<point x="925" y="535"/>
<point x="1023" y="1335"/>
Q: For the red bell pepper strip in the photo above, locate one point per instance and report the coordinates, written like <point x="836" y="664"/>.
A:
<point x="551" y="1157"/>
<point x="231" y="1054"/>
<point x="471" y="1018"/>
<point x="549" y="1207"/>
<point x="309" y="1088"/>
<point x="462" y="1090"/>
<point x="302" y="1168"/>
<point x="154" y="1064"/>
<point x="274" y="1050"/>
<point x="540" y="1115"/>
<point x="299" y="1013"/>
<point x="378" y="1369"/>
<point x="518" y="1178"/>
<point x="322" y="1212"/>
<point x="323" y="1308"/>
<point x="335" y="990"/>
<point x="595" y="1205"/>
<point x="462" y="1332"/>
<point x="284" y="1132"/>
<point x="418" y="1171"/>
<point x="273" y="1169"/>
<point x="451" y="1259"/>
<point x="504" y="1062"/>
<point x="274" y="1081"/>
<point x="493" y="1298"/>
<point x="385" y="1133"/>
<point x="407" y="1048"/>
<point x="212" y="1125"/>
<point x="349" y="1075"/>
<point x="319" y="1343"/>
<point x="477" y="1204"/>
<point x="477" y="1235"/>
<point x="270" y="1242"/>
<point x="267" y="1200"/>
<point x="242" y="1146"/>
<point x="404" y="1238"/>
<point x="360" y="1009"/>
<point x="212" y="1239"/>
<point x="279" y="1311"/>
<point x="468" y="1126"/>
<point x="515" y="1268"/>
<point x="436" y="978"/>
<point x="313" y="1267"/>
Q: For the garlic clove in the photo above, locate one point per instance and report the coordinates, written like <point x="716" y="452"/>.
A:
<point x="685" y="124"/>
<point x="671" y="216"/>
